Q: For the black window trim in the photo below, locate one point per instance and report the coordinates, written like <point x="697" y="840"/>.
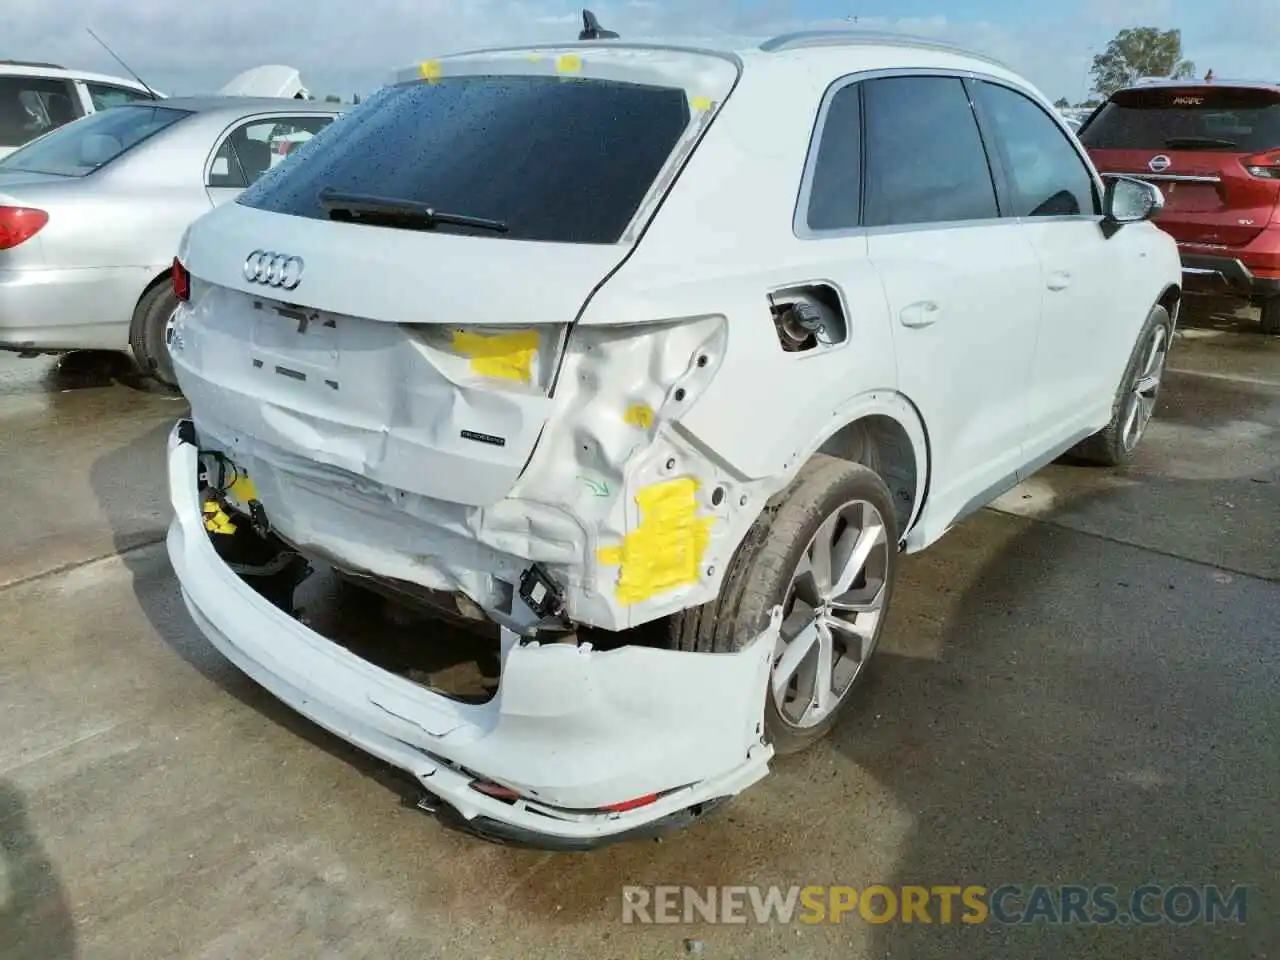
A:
<point x="800" y="218"/>
<point x="998" y="158"/>
<point x="246" y="121"/>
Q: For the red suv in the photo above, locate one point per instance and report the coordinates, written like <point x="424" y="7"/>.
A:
<point x="1213" y="148"/>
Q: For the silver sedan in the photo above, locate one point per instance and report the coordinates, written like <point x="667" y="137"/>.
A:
<point x="91" y="215"/>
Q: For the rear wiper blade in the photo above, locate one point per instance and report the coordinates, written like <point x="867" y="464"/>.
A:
<point x="362" y="206"/>
<point x="1190" y="143"/>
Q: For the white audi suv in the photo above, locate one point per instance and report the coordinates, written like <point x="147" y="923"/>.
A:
<point x="581" y="338"/>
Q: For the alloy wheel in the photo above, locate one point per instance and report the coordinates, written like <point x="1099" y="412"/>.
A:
<point x="832" y="614"/>
<point x="1141" y="402"/>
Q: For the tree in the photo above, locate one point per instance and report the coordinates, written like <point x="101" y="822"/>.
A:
<point x="1062" y="103"/>
<point x="332" y="98"/>
<point x="1139" y="52"/>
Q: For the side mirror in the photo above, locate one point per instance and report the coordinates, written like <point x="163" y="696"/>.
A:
<point x="1128" y="200"/>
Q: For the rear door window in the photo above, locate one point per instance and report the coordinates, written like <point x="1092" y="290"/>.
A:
<point x="563" y="160"/>
<point x="1237" y="119"/>
<point x="32" y="106"/>
<point x="253" y="148"/>
<point x="106" y="95"/>
<point x="924" y="155"/>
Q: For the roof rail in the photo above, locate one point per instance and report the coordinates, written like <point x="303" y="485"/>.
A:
<point x="840" y="38"/>
<point x="32" y="63"/>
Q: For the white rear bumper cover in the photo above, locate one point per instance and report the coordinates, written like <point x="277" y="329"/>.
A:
<point x="570" y="728"/>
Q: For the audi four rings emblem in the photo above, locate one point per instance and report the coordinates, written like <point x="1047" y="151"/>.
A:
<point x="273" y="269"/>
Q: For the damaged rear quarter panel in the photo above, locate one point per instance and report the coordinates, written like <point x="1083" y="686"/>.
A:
<point x="693" y="424"/>
<point x="657" y="512"/>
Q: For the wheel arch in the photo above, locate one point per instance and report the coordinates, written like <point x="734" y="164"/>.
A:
<point x="162" y="277"/>
<point x="1171" y="299"/>
<point x="881" y="430"/>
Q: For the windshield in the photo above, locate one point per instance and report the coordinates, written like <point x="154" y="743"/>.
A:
<point x="562" y="160"/>
<point x="1196" y="118"/>
<point x="83" y="146"/>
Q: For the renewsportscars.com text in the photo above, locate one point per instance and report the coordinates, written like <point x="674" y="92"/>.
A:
<point x="942" y="904"/>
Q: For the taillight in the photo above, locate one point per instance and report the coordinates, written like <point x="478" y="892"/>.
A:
<point x="181" y="281"/>
<point x="20" y="224"/>
<point x="1264" y="165"/>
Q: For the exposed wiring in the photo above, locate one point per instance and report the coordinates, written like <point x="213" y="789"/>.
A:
<point x="224" y="463"/>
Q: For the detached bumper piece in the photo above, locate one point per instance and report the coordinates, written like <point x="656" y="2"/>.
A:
<point x="578" y="748"/>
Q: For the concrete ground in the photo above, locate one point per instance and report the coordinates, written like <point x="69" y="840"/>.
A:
<point x="1078" y="686"/>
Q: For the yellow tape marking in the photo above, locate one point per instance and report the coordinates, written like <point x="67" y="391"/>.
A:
<point x="701" y="103"/>
<point x="665" y="550"/>
<point x="534" y="57"/>
<point x="569" y="63"/>
<point x="508" y="356"/>
<point x="215" y="520"/>
<point x="430" y="70"/>
<point x="243" y="489"/>
<point x="639" y="415"/>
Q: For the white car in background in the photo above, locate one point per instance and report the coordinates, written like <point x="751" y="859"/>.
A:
<point x="38" y="97"/>
<point x="701" y="341"/>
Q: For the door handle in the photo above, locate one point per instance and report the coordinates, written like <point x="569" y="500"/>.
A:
<point x="1059" y="280"/>
<point x="921" y="314"/>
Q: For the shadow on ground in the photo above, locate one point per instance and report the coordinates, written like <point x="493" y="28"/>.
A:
<point x="1224" y="314"/>
<point x="1132" y="739"/>
<point x="160" y="600"/>
<point x="35" y="916"/>
<point x="89" y="369"/>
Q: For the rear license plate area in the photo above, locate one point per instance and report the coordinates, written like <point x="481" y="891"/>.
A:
<point x="296" y="344"/>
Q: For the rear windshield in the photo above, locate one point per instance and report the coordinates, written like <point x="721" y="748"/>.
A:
<point x="1242" y="120"/>
<point x="561" y="160"/>
<point x="83" y="146"/>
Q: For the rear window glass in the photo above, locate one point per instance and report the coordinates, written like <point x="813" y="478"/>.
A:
<point x="89" y="144"/>
<point x="561" y="160"/>
<point x="1187" y="119"/>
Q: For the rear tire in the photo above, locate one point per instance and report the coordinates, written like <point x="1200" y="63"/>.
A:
<point x="848" y="504"/>
<point x="1135" y="400"/>
<point x="147" y="335"/>
<point x="1270" y="315"/>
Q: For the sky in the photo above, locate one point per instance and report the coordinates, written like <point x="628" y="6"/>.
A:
<point x="348" y="46"/>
